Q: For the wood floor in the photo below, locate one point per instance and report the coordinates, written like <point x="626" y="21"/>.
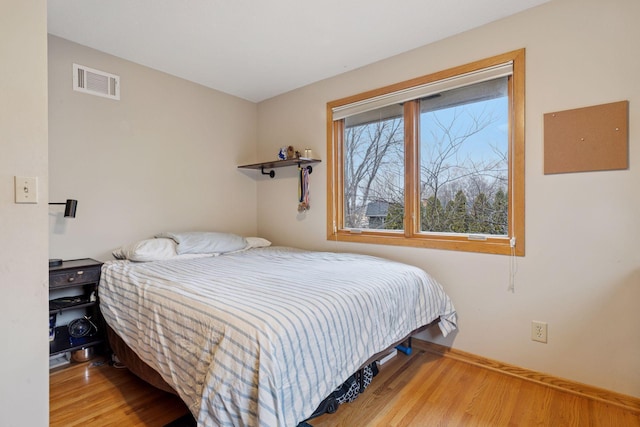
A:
<point x="423" y="389"/>
<point x="98" y="394"/>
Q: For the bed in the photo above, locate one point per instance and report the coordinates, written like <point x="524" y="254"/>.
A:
<point x="259" y="336"/>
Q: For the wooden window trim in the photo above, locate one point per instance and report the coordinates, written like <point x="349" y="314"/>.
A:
<point x="411" y="236"/>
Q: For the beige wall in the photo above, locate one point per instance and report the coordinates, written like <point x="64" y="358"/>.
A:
<point x="24" y="372"/>
<point x="581" y="272"/>
<point x="163" y="158"/>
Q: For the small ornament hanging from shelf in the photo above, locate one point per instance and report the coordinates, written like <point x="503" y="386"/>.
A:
<point x="303" y="189"/>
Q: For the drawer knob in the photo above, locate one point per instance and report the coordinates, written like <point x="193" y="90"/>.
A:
<point x="71" y="279"/>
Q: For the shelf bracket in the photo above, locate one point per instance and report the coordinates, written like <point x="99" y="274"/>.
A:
<point x="309" y="168"/>
<point x="271" y="173"/>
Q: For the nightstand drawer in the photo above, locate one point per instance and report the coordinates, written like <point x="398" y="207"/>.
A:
<point x="75" y="277"/>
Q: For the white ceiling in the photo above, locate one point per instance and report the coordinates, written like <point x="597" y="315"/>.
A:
<point x="257" y="49"/>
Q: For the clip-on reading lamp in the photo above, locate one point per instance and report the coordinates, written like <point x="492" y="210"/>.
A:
<point x="70" y="212"/>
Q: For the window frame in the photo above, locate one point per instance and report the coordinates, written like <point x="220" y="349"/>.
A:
<point x="512" y="244"/>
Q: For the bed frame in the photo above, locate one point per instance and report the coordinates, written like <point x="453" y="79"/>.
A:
<point x="131" y="360"/>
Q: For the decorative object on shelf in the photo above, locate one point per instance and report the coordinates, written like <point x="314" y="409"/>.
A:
<point x="303" y="189"/>
<point x="280" y="164"/>
<point x="288" y="153"/>
<point x="69" y="212"/>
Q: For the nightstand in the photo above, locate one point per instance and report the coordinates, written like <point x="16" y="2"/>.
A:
<point x="73" y="294"/>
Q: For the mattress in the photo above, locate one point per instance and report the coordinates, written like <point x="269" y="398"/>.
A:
<point x="261" y="337"/>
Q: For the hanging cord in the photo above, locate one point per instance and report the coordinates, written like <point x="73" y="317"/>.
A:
<point x="513" y="259"/>
<point x="303" y="190"/>
<point x="513" y="265"/>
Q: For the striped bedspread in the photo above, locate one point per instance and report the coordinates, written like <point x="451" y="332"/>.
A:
<point x="261" y="337"/>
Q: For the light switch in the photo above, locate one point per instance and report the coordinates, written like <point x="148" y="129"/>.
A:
<point x="26" y="189"/>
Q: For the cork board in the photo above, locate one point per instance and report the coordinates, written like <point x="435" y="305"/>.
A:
<point x="587" y="139"/>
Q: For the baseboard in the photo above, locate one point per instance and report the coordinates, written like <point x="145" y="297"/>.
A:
<point x="610" y="397"/>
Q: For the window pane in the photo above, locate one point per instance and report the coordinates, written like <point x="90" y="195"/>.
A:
<point x="464" y="167"/>
<point x="374" y="169"/>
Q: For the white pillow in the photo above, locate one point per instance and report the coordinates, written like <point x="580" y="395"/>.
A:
<point x="205" y="242"/>
<point x="257" y="242"/>
<point x="147" y="250"/>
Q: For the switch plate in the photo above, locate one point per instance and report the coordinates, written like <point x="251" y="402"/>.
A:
<point x="26" y="189"/>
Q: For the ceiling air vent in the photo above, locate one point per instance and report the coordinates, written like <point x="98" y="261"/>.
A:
<point x="96" y="82"/>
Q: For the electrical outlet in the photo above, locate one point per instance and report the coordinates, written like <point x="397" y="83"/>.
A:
<point x="539" y="331"/>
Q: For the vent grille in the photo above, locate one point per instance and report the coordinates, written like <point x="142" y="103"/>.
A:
<point x="96" y="82"/>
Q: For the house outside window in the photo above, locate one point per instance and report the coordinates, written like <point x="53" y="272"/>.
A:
<point x="437" y="161"/>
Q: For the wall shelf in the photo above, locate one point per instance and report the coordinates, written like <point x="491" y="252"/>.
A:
<point x="300" y="161"/>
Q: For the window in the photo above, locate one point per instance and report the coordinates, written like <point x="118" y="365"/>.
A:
<point x="436" y="161"/>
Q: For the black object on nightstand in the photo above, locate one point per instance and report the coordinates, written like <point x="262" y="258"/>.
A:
<point x="81" y="277"/>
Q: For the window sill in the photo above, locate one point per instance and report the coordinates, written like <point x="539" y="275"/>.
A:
<point x="492" y="245"/>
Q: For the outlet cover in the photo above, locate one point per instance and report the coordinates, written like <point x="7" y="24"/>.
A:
<point x="539" y="331"/>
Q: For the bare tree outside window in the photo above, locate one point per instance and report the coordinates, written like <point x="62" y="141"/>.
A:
<point x="464" y="160"/>
<point x="373" y="169"/>
<point x="463" y="164"/>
